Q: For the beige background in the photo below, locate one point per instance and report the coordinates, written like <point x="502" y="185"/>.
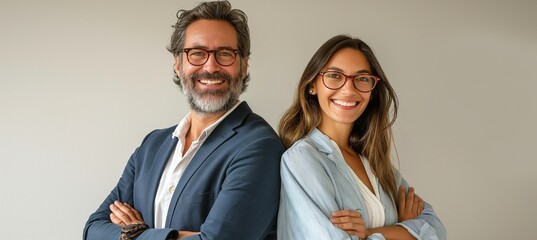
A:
<point x="82" y="82"/>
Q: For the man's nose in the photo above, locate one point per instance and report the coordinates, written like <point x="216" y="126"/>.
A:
<point x="211" y="65"/>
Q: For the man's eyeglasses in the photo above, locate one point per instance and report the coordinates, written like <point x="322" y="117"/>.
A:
<point x="199" y="56"/>
<point x="336" y="80"/>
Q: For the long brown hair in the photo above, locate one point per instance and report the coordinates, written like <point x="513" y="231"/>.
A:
<point x="371" y="134"/>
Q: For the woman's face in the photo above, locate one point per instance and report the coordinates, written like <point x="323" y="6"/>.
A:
<point x="344" y="105"/>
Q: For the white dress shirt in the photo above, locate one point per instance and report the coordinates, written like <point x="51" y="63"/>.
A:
<point x="177" y="164"/>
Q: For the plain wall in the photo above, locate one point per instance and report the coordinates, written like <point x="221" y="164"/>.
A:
<point x="82" y="82"/>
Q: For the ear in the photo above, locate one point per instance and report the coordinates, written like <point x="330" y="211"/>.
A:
<point x="311" y="89"/>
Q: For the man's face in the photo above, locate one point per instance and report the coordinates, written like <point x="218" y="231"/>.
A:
<point x="211" y="88"/>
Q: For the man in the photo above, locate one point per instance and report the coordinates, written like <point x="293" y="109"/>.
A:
<point x="216" y="174"/>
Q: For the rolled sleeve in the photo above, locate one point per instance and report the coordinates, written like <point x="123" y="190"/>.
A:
<point x="376" y="236"/>
<point x="427" y="225"/>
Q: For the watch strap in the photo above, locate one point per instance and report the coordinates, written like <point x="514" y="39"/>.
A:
<point x="130" y="231"/>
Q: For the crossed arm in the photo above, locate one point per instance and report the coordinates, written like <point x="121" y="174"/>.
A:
<point x="247" y="197"/>
<point x="409" y="205"/>
<point x="124" y="214"/>
<point x="313" y="188"/>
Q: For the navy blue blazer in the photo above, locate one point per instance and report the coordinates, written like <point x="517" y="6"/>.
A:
<point x="230" y="189"/>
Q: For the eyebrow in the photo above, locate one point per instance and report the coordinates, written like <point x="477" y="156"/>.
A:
<point x="204" y="47"/>
<point x="341" y="70"/>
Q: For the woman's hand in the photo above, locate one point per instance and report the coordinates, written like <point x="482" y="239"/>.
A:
<point x="123" y="214"/>
<point x="410" y="205"/>
<point x="351" y="222"/>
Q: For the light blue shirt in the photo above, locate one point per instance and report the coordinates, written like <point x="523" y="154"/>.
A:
<point x="317" y="181"/>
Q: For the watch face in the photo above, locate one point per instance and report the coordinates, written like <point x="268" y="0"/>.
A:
<point x="124" y="236"/>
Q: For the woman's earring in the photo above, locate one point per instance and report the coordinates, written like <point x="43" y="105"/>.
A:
<point x="312" y="92"/>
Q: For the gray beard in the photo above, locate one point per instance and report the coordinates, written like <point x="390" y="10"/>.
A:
<point x="211" y="101"/>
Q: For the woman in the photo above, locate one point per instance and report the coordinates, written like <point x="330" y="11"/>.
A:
<point x="337" y="178"/>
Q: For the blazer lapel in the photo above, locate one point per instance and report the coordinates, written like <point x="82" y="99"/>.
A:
<point x="161" y="158"/>
<point x="224" y="131"/>
<point x="333" y="153"/>
<point x="323" y="144"/>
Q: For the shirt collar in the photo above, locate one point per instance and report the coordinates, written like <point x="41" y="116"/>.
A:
<point x="321" y="141"/>
<point x="183" y="126"/>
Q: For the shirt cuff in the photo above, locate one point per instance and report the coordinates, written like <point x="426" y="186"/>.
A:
<point x="376" y="236"/>
<point x="425" y="231"/>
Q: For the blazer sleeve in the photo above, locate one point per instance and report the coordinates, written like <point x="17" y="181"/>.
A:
<point x="99" y="226"/>
<point x="307" y="198"/>
<point x="427" y="225"/>
<point x="247" y="204"/>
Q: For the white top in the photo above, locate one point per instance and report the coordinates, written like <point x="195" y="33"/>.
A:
<point x="372" y="204"/>
<point x="177" y="164"/>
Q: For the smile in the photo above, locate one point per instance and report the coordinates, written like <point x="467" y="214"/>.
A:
<point x="211" y="81"/>
<point x="345" y="103"/>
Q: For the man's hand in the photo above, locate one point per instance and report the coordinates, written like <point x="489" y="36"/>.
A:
<point x="351" y="222"/>
<point x="410" y="205"/>
<point x="124" y="214"/>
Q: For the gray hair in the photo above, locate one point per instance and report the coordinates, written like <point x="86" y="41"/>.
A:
<point x="218" y="10"/>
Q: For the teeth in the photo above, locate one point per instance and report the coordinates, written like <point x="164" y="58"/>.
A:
<point x="345" y="104"/>
<point x="211" y="82"/>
